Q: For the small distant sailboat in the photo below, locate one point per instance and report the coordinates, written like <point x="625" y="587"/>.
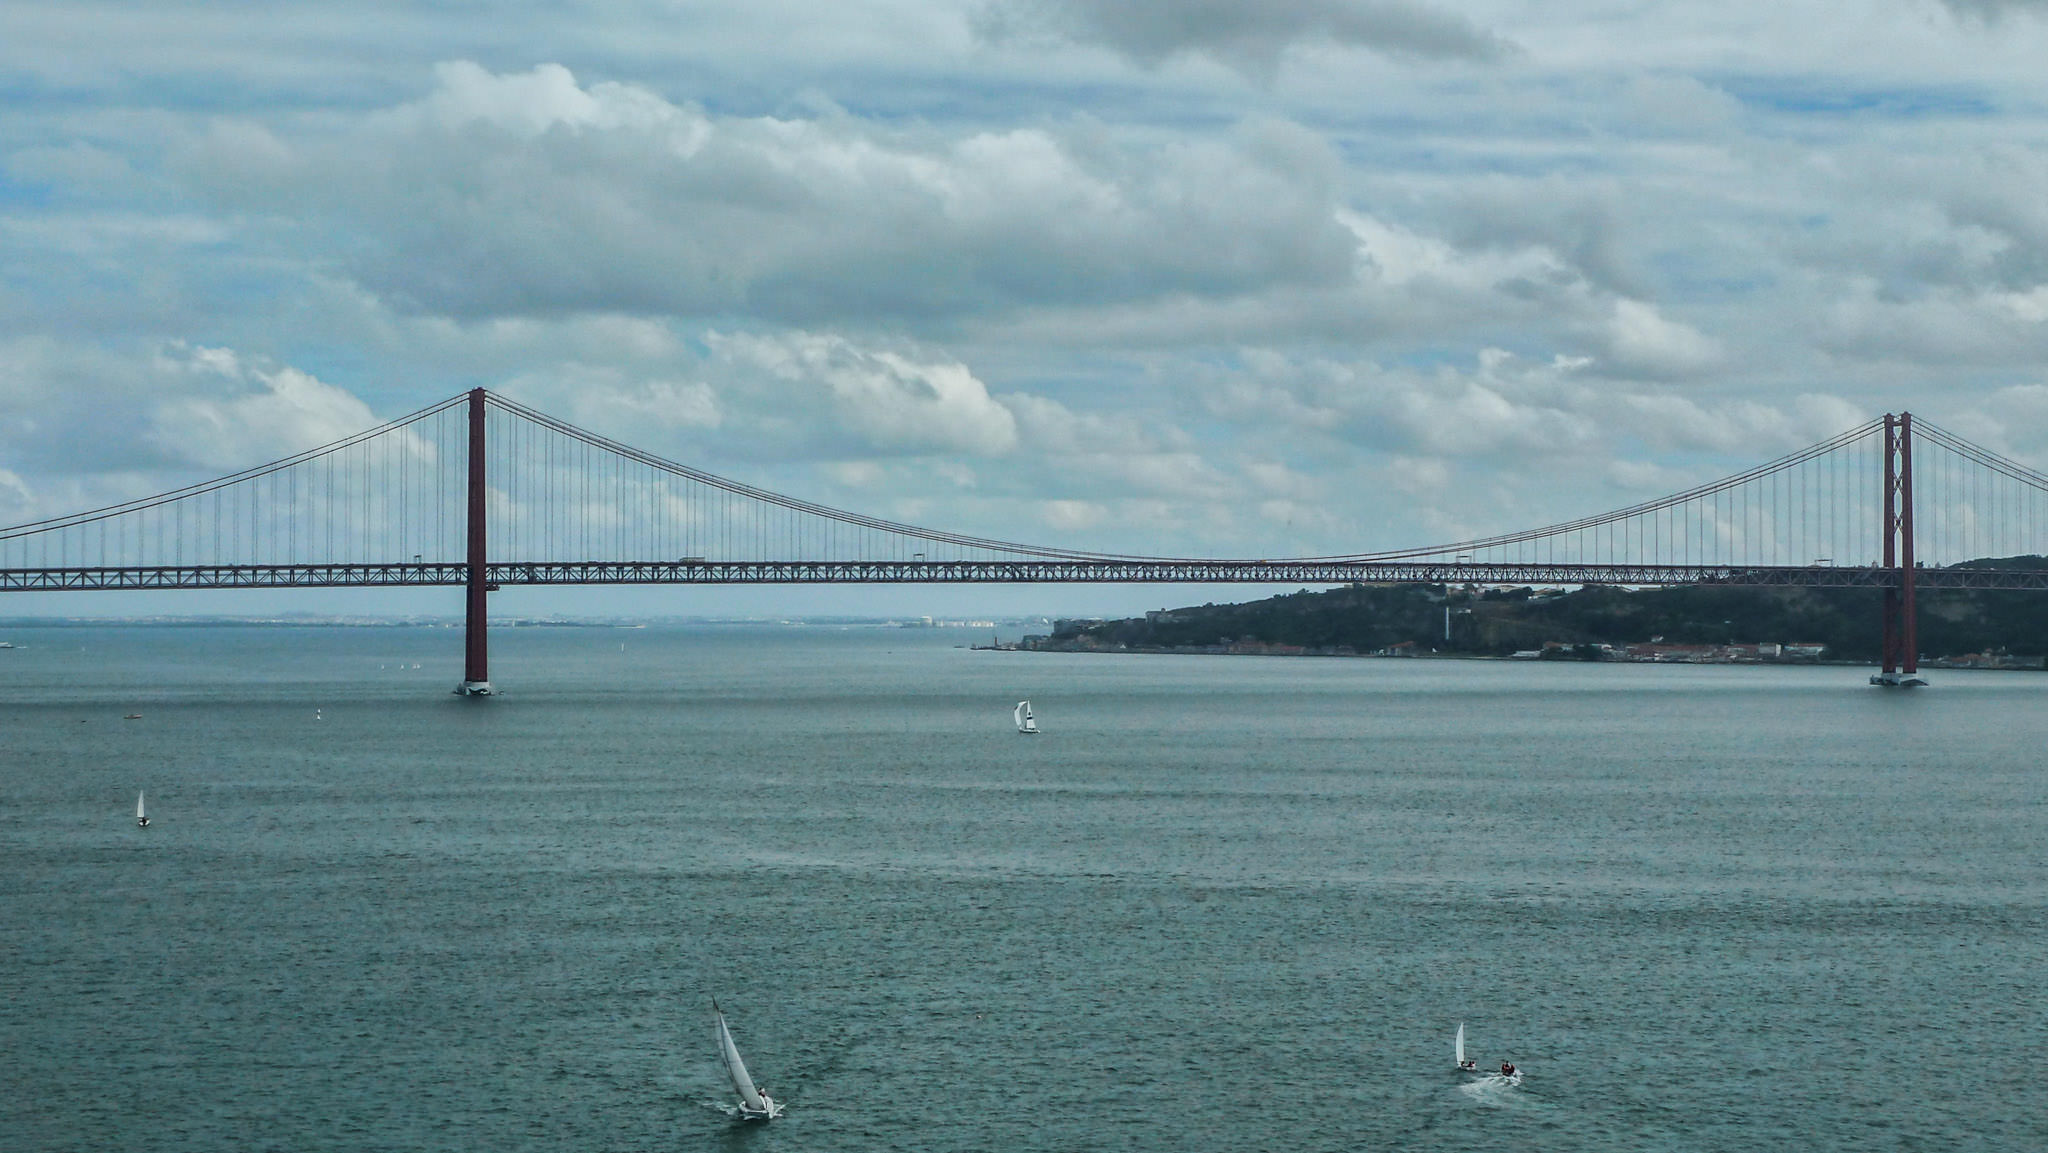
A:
<point x="755" y="1105"/>
<point x="1027" y="721"/>
<point x="1464" y="1065"/>
<point x="141" y="817"/>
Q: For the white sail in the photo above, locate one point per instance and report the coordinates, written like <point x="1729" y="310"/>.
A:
<point x="1461" y="1044"/>
<point x="736" y="1068"/>
<point x="1026" y="719"/>
<point x="139" y="814"/>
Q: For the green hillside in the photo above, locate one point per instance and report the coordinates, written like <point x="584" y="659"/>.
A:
<point x="1498" y="622"/>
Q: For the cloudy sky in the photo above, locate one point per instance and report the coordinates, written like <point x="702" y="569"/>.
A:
<point x="1300" y="276"/>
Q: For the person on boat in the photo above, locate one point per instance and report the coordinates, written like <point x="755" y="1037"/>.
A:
<point x="767" y="1102"/>
<point x="1507" y="1069"/>
<point x="1469" y="1065"/>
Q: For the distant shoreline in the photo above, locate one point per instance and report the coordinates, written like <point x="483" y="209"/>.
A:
<point x="456" y="622"/>
<point x="1217" y="651"/>
<point x="1942" y="663"/>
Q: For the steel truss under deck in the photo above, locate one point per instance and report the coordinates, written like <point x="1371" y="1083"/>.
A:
<point x="513" y="573"/>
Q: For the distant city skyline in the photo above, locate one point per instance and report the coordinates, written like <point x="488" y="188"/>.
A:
<point x="1293" y="278"/>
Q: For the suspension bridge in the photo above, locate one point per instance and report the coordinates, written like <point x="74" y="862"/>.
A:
<point x="483" y="492"/>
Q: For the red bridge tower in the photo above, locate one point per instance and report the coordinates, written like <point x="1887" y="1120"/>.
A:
<point x="1901" y="624"/>
<point x="476" y="670"/>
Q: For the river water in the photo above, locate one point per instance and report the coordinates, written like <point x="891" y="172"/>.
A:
<point x="1221" y="903"/>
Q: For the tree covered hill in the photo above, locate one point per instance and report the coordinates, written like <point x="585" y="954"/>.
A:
<point x="1497" y="622"/>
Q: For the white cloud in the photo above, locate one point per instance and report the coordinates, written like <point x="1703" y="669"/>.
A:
<point x="2013" y="421"/>
<point x="526" y="194"/>
<point x="619" y="401"/>
<point x="1073" y="515"/>
<point x="163" y="411"/>
<point x="17" y="503"/>
<point x="771" y="396"/>
<point x="91" y="427"/>
<point x="234" y="415"/>
<point x="529" y="104"/>
<point x="893" y="400"/>
<point x="1247" y="36"/>
<point x="1642" y="341"/>
<point x="1505" y="409"/>
<point x="1991" y="10"/>
<point x="1939" y="326"/>
<point x="2029" y="307"/>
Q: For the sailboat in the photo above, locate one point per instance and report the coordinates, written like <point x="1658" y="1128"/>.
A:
<point x="1027" y="721"/>
<point x="754" y="1104"/>
<point x="141" y="818"/>
<point x="1464" y="1065"/>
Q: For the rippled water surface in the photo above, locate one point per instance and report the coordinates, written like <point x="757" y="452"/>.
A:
<point x="1222" y="903"/>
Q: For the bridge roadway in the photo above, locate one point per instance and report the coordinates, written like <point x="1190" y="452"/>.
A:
<point x="696" y="572"/>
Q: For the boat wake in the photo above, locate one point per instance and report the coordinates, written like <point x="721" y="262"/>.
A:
<point x="1492" y="1089"/>
<point x="729" y="1111"/>
<point x="723" y="1109"/>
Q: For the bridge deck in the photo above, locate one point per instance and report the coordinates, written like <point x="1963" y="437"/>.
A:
<point x="73" y="579"/>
